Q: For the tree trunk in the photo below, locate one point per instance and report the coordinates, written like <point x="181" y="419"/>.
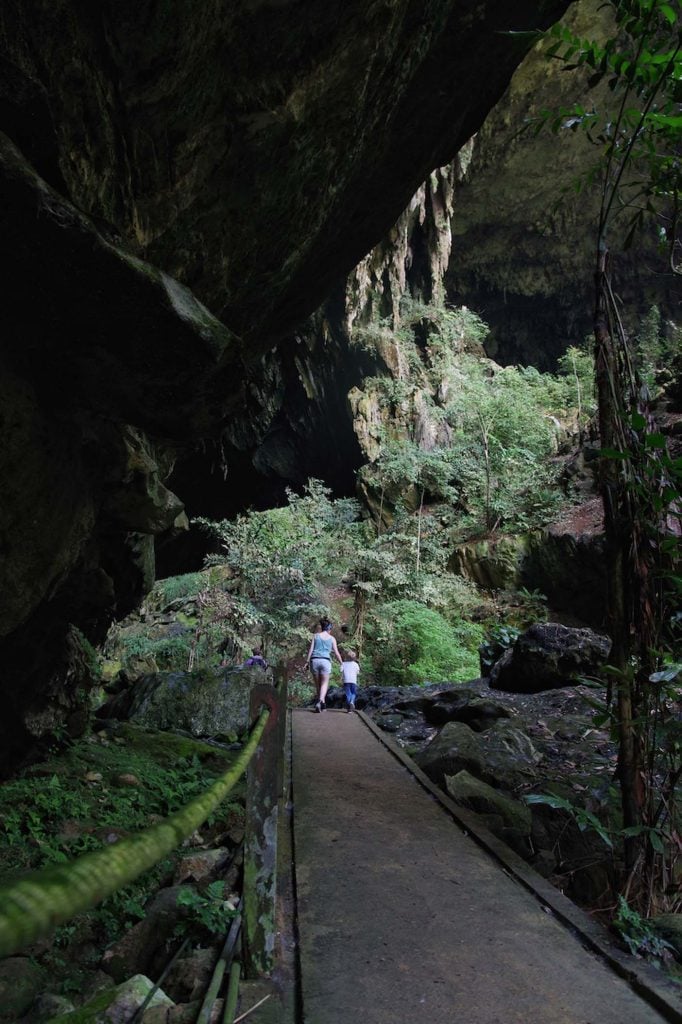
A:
<point x="419" y="530"/>
<point x="617" y="528"/>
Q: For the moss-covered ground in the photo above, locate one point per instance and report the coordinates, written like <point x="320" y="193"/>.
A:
<point x="101" y="788"/>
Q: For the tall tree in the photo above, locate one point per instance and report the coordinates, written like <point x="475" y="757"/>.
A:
<point x="639" y="175"/>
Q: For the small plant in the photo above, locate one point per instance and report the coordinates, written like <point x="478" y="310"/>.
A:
<point x="208" y="910"/>
<point x="639" y="936"/>
<point x="498" y="640"/>
<point x="583" y="818"/>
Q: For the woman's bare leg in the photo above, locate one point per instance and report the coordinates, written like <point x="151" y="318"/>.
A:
<point x="324" y="686"/>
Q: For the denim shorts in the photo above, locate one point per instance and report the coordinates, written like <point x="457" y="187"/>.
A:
<point x="318" y="665"/>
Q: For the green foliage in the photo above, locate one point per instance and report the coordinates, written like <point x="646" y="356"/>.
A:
<point x="32" y="833"/>
<point x="89" y="654"/>
<point x="639" y="936"/>
<point x="175" y="588"/>
<point x="410" y="643"/>
<point x="576" y="366"/>
<point x="504" y="437"/>
<point x="70" y="805"/>
<point x="276" y="559"/>
<point x="207" y="911"/>
<point x="658" y="347"/>
<point x="583" y="818"/>
<point x="497" y="640"/>
<point x="169" y="652"/>
<point x="498" y="427"/>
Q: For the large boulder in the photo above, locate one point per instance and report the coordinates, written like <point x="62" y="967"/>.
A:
<point x="117" y="1005"/>
<point x="143" y="947"/>
<point x="564" y="560"/>
<point x="502" y="756"/>
<point x="549" y="656"/>
<point x="202" y="703"/>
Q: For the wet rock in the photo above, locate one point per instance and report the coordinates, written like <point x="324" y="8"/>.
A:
<point x="446" y="706"/>
<point x="549" y="656"/>
<point x="456" y="747"/>
<point x="20" y="982"/>
<point x="389" y="723"/>
<point x="481" y="713"/>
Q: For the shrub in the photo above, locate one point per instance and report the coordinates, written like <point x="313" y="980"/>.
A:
<point x="410" y="643"/>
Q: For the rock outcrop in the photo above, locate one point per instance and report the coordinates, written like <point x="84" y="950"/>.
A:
<point x="564" y="561"/>
<point x="548" y="656"/>
<point x="524" y="240"/>
<point x="150" y="149"/>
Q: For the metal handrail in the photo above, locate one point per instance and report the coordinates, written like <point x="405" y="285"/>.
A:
<point x="32" y="906"/>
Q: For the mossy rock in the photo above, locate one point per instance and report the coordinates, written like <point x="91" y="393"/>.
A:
<point x="168" y="748"/>
<point x="20" y="982"/>
<point x="116" y="1005"/>
<point x="508" y="819"/>
<point x="202" y="703"/>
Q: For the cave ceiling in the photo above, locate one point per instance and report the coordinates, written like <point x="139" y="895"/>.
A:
<point x="182" y="184"/>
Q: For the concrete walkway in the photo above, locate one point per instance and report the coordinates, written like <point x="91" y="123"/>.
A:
<point x="404" y="919"/>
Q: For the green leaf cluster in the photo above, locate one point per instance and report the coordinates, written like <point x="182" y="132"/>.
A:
<point x="411" y="643"/>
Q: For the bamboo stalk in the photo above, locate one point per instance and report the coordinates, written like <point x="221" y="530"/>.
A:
<point x="230" y="1006"/>
<point x="224" y="960"/>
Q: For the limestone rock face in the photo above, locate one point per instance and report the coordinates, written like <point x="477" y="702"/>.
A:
<point x="524" y="239"/>
<point x="180" y="185"/>
<point x="564" y="561"/>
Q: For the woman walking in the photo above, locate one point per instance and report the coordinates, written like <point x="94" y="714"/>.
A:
<point x="319" y="658"/>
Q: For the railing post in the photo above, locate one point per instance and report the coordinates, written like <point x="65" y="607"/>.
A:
<point x="264" y="790"/>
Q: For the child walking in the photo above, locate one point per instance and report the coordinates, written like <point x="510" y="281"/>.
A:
<point x="350" y="671"/>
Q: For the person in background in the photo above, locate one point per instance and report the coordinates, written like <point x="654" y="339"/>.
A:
<point x="256" y="659"/>
<point x="350" y="670"/>
<point x="322" y="646"/>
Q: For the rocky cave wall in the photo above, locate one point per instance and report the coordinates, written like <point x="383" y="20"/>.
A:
<point x="524" y="240"/>
<point x="182" y="184"/>
<point x="304" y="420"/>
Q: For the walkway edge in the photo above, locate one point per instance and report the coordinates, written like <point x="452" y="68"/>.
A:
<point x="646" y="981"/>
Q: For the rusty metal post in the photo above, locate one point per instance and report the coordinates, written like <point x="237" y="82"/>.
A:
<point x="264" y="784"/>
